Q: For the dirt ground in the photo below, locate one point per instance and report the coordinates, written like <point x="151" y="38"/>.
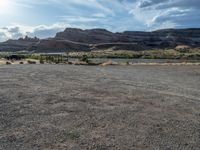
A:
<point x="99" y="108"/>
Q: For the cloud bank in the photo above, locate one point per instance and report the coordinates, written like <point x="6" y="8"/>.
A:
<point x="51" y="16"/>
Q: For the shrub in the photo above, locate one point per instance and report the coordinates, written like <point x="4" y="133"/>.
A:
<point x="31" y="62"/>
<point x="84" y="58"/>
<point x="41" y="61"/>
<point x="8" y="63"/>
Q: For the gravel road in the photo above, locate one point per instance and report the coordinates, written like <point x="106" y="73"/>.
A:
<point x="99" y="108"/>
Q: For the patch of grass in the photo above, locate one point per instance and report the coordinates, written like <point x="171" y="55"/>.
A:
<point x="148" y="54"/>
<point x="36" y="57"/>
<point x="31" y="62"/>
<point x="84" y="58"/>
<point x="73" y="135"/>
<point x="47" y="58"/>
<point x="68" y="135"/>
<point x="190" y="54"/>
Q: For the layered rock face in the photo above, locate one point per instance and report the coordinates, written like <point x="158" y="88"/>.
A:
<point x="159" y="38"/>
<point x="58" y="45"/>
<point x="94" y="36"/>
<point x="18" y="45"/>
<point x="73" y="39"/>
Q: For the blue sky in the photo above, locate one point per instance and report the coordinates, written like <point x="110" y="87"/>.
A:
<point x="45" y="18"/>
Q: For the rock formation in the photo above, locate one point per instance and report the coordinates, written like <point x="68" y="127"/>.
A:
<point x="72" y="39"/>
<point x="18" y="45"/>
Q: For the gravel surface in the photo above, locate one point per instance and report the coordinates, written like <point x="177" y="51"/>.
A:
<point x="99" y="108"/>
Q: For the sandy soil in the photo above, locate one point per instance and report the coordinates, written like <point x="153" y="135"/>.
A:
<point x="99" y="108"/>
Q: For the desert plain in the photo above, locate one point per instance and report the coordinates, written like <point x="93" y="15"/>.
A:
<point x="94" y="107"/>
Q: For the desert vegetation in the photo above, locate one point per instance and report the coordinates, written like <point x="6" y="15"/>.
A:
<point x="147" y="54"/>
<point x="88" y="58"/>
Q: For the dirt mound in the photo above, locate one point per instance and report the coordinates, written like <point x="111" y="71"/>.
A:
<point x="110" y="62"/>
<point x="181" y="47"/>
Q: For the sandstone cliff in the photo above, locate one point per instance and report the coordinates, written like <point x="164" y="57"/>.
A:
<point x="72" y="39"/>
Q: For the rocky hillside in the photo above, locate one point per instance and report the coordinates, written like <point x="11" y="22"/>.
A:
<point x="18" y="45"/>
<point x="72" y="39"/>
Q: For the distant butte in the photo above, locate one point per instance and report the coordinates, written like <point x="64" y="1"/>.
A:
<point x="73" y="39"/>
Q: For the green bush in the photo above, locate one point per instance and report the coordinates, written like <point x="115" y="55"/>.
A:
<point x="84" y="58"/>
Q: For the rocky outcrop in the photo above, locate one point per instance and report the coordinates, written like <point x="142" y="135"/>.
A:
<point x="18" y="45"/>
<point x="93" y="36"/>
<point x="58" y="45"/>
<point x="72" y="39"/>
<point x="133" y="40"/>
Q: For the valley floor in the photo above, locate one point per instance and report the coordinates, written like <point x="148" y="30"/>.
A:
<point x="93" y="107"/>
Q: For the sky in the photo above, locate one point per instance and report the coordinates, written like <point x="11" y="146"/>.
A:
<point x="44" y="18"/>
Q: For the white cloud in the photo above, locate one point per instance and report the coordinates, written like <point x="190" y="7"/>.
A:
<point x="99" y="15"/>
<point x="42" y="31"/>
<point x="76" y="19"/>
<point x="114" y="15"/>
<point x="157" y="14"/>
